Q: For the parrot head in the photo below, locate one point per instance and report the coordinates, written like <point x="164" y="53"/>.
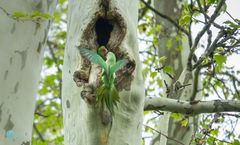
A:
<point x="102" y="51"/>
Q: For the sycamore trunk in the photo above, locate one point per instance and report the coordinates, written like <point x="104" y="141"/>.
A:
<point x="21" y="52"/>
<point x="90" y="25"/>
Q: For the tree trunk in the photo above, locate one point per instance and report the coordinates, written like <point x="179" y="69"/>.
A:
<point x="176" y="54"/>
<point x="112" y="23"/>
<point x="21" y="52"/>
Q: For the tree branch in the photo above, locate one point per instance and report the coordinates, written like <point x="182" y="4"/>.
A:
<point x="164" y="135"/>
<point x="191" y="108"/>
<point x="143" y="11"/>
<point x="38" y="132"/>
<point x="55" y="59"/>
<point x="166" y="17"/>
<point x="204" y="29"/>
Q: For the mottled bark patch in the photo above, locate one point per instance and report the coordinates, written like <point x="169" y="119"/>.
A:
<point x="68" y="104"/>
<point x="5" y="75"/>
<point x="9" y="125"/>
<point x="39" y="48"/>
<point x="45" y="35"/>
<point x="13" y="28"/>
<point x="16" y="87"/>
<point x="1" y="112"/>
<point x="37" y="26"/>
<point x="23" y="55"/>
<point x="10" y="60"/>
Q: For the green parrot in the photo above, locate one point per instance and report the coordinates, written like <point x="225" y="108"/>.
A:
<point x="106" y="92"/>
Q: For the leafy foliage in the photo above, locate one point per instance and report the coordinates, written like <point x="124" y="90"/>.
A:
<point x="48" y="121"/>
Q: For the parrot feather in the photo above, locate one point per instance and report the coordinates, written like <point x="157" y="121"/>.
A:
<point x="117" y="66"/>
<point x="93" y="57"/>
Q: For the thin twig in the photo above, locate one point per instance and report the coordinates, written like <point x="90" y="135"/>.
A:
<point x="164" y="135"/>
<point x="144" y="11"/>
<point x="38" y="132"/>
<point x="209" y="50"/>
<point x="8" y="14"/>
<point x="55" y="59"/>
<point x="200" y="34"/>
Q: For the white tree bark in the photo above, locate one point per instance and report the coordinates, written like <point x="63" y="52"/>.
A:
<point x="83" y="120"/>
<point x="21" y="52"/>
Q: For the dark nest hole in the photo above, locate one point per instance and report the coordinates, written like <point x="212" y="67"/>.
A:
<point x="103" y="30"/>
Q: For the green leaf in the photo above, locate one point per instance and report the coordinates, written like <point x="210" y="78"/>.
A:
<point x="169" y="43"/>
<point x="211" y="140"/>
<point x="184" y="123"/>
<point x="209" y="2"/>
<point x="150" y="32"/>
<point x="37" y="14"/>
<point x="158" y="28"/>
<point x="57" y="16"/>
<point x="145" y="72"/>
<point x="19" y="15"/>
<point x="153" y="74"/>
<point x="159" y="82"/>
<point x="168" y="69"/>
<point x="61" y="1"/>
<point x="236" y="142"/>
<point x="155" y="41"/>
<point x="48" y="61"/>
<point x="220" y="143"/>
<point x="176" y="116"/>
<point x="185" y="20"/>
<point x="220" y="59"/>
<point x="43" y="90"/>
<point x="162" y="59"/>
<point x="231" y="24"/>
<point x="214" y="132"/>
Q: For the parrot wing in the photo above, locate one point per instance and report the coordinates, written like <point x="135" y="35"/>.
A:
<point x="93" y="57"/>
<point x="118" y="66"/>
